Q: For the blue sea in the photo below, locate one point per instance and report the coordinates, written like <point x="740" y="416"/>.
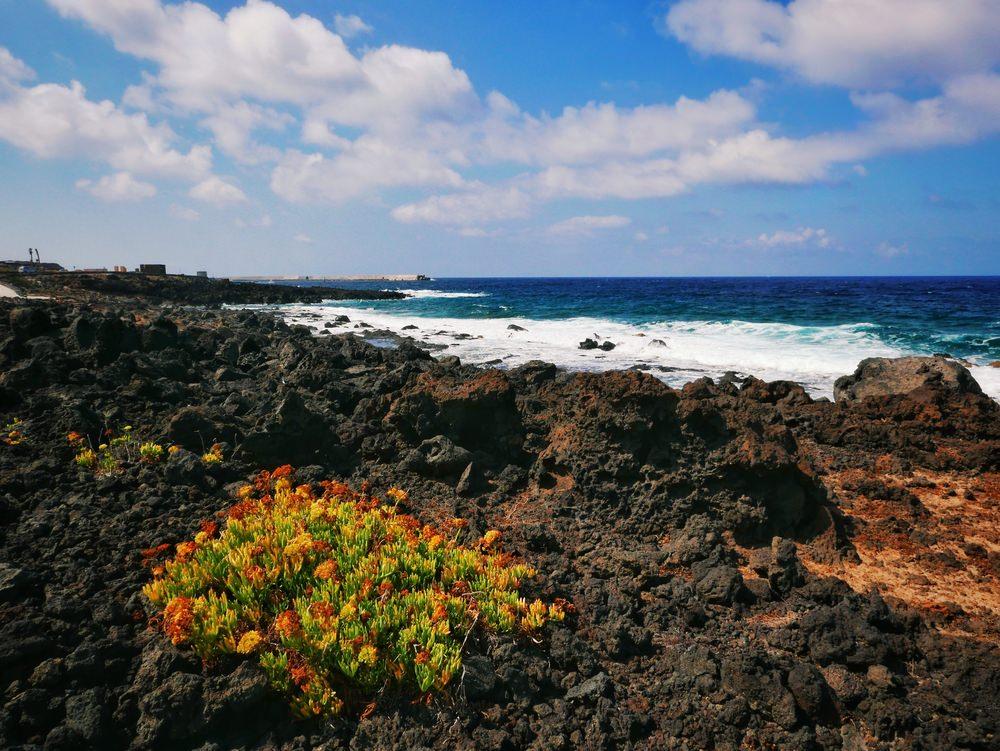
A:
<point x="809" y="330"/>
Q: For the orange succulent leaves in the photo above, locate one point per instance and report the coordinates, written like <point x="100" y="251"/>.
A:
<point x="178" y="619"/>
<point x="338" y="594"/>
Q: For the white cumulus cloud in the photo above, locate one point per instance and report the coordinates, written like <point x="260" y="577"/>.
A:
<point x="330" y="124"/>
<point x="217" y="191"/>
<point x="588" y="225"/>
<point x="120" y="186"/>
<point x="52" y="121"/>
<point x="853" y="43"/>
<point x="791" y="238"/>
<point x="479" y="203"/>
<point x="13" y="70"/>
<point x="368" y="163"/>
<point x="350" y="26"/>
<point x="184" y="212"/>
<point x="892" y="250"/>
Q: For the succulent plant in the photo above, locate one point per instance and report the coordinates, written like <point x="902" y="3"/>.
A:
<point x="337" y="594"/>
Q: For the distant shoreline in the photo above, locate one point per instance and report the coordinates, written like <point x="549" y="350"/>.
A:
<point x="347" y="278"/>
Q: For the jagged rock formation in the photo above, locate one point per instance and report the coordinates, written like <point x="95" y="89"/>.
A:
<point x="750" y="568"/>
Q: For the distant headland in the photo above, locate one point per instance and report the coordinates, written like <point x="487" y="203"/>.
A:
<point x="341" y="278"/>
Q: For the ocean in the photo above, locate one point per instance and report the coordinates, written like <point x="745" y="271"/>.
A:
<point x="809" y="330"/>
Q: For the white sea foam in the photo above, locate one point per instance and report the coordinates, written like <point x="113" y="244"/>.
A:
<point x="988" y="378"/>
<point x="675" y="351"/>
<point x="427" y="293"/>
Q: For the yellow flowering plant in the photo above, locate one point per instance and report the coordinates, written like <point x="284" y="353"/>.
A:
<point x="213" y="455"/>
<point x="12" y="434"/>
<point x="114" y="452"/>
<point x="337" y="594"/>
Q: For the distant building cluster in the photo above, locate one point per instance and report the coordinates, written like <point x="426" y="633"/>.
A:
<point x="29" y="268"/>
<point x="35" y="265"/>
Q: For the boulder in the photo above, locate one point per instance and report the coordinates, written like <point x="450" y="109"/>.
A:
<point x="227" y="373"/>
<point x="883" y="376"/>
<point x="85" y="714"/>
<point x="784" y="571"/>
<point x="437" y="457"/>
<point x="171" y="713"/>
<point x="13" y="581"/>
<point x="192" y="428"/>
<point x="478" y="677"/>
<point x="470" y="481"/>
<point x="293" y="434"/>
<point x="29" y="322"/>
<point x="589" y="343"/>
<point x="811" y="692"/>
<point x="718" y="585"/>
<point x="159" y="334"/>
<point x="591" y="689"/>
<point x="184" y="468"/>
<point x="81" y="333"/>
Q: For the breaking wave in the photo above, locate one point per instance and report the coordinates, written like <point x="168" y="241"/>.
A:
<point x="422" y="294"/>
<point x="674" y="351"/>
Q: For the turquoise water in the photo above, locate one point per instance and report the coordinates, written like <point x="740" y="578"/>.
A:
<point x="807" y="329"/>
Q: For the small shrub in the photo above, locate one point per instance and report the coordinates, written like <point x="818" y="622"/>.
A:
<point x="213" y="455"/>
<point x="86" y="458"/>
<point x="337" y="594"/>
<point x="151" y="452"/>
<point x="12" y="434"/>
<point x="118" y="451"/>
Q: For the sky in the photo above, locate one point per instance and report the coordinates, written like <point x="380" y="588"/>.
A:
<point x="468" y="138"/>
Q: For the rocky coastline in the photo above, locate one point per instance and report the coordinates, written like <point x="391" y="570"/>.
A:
<point x="177" y="289"/>
<point x="749" y="568"/>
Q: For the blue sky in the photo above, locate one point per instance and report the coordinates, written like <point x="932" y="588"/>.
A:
<point x="703" y="137"/>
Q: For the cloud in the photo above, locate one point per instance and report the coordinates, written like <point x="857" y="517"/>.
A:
<point x="243" y="71"/>
<point x="120" y="186"/>
<point x="587" y="226"/>
<point x="317" y="133"/>
<point x="968" y="109"/>
<point x="350" y="26"/>
<point x="260" y="51"/>
<point x="12" y="70"/>
<point x="304" y="239"/>
<point x="233" y="126"/>
<point x="55" y="121"/>
<point x="479" y="203"/>
<point x="852" y="43"/>
<point x="952" y="204"/>
<point x="892" y="250"/>
<point x="332" y="124"/>
<point x="599" y="132"/>
<point x="217" y="191"/>
<point x="366" y="164"/>
<point x="184" y="212"/>
<point x="262" y="222"/>
<point x="793" y="238"/>
<point x="474" y="232"/>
